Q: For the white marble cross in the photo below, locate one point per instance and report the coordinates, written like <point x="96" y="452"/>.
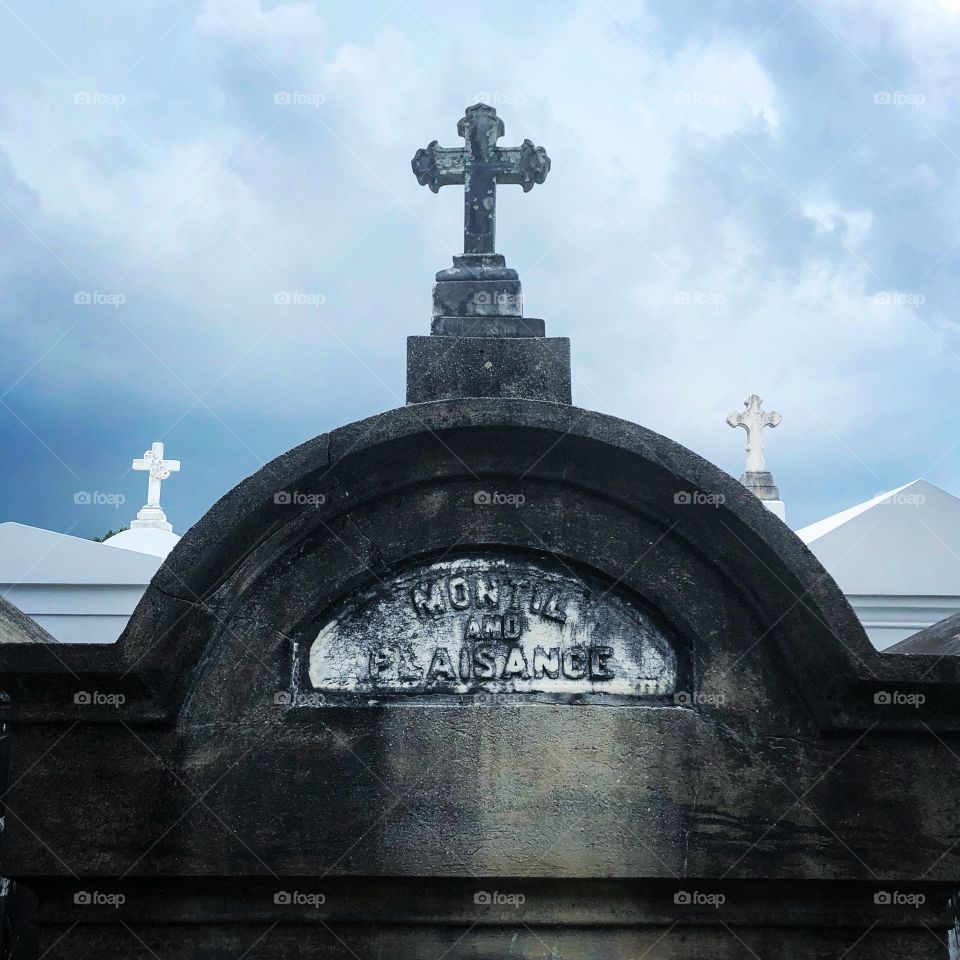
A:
<point x="160" y="470"/>
<point x="753" y="419"/>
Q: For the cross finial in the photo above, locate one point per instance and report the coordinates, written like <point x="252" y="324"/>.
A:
<point x="151" y="514"/>
<point x="480" y="166"/>
<point x="753" y="419"/>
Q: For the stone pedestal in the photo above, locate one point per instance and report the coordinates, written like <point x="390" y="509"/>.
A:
<point x="151" y="518"/>
<point x="480" y="344"/>
<point x="760" y="483"/>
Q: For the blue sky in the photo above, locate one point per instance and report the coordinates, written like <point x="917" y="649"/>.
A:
<point x="745" y="197"/>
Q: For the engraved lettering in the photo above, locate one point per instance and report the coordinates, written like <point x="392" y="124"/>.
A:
<point x="488" y="592"/>
<point x="441" y="667"/>
<point x="536" y="601"/>
<point x="599" y="667"/>
<point x="459" y="594"/>
<point x="546" y="664"/>
<point x="380" y="662"/>
<point x="516" y="665"/>
<point x="552" y="610"/>
<point x="575" y="663"/>
<point x="515" y="587"/>
<point x="489" y="624"/>
<point x="410" y="669"/>
<point x="484" y="663"/>
<point x="428" y="600"/>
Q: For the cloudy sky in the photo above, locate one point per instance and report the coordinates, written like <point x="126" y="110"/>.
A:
<point x="745" y="197"/>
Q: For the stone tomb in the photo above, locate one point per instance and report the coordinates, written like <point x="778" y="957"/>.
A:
<point x="490" y="679"/>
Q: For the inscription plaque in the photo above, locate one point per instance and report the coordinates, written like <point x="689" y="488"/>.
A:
<point x="477" y="625"/>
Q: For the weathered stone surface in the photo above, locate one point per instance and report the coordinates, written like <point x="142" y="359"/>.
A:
<point x="772" y="775"/>
<point x="490" y="627"/>
<point x="939" y="640"/>
<point x="445" y="368"/>
<point x="480" y="165"/>
<point x="480" y="297"/>
<point x="487" y="327"/>
<point x="17" y="627"/>
<point x="761" y="484"/>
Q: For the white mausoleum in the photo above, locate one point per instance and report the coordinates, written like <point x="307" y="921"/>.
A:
<point x="81" y="591"/>
<point x="896" y="557"/>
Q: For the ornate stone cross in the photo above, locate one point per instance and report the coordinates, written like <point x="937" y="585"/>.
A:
<point x="480" y="166"/>
<point x="753" y="419"/>
<point x="160" y="470"/>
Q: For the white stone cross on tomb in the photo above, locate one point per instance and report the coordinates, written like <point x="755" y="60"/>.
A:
<point x="151" y="514"/>
<point x="753" y="419"/>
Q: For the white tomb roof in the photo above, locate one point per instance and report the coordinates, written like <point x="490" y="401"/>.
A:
<point x="896" y="557"/>
<point x="150" y="540"/>
<point x="77" y="590"/>
<point x="34" y="555"/>
<point x="903" y="542"/>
